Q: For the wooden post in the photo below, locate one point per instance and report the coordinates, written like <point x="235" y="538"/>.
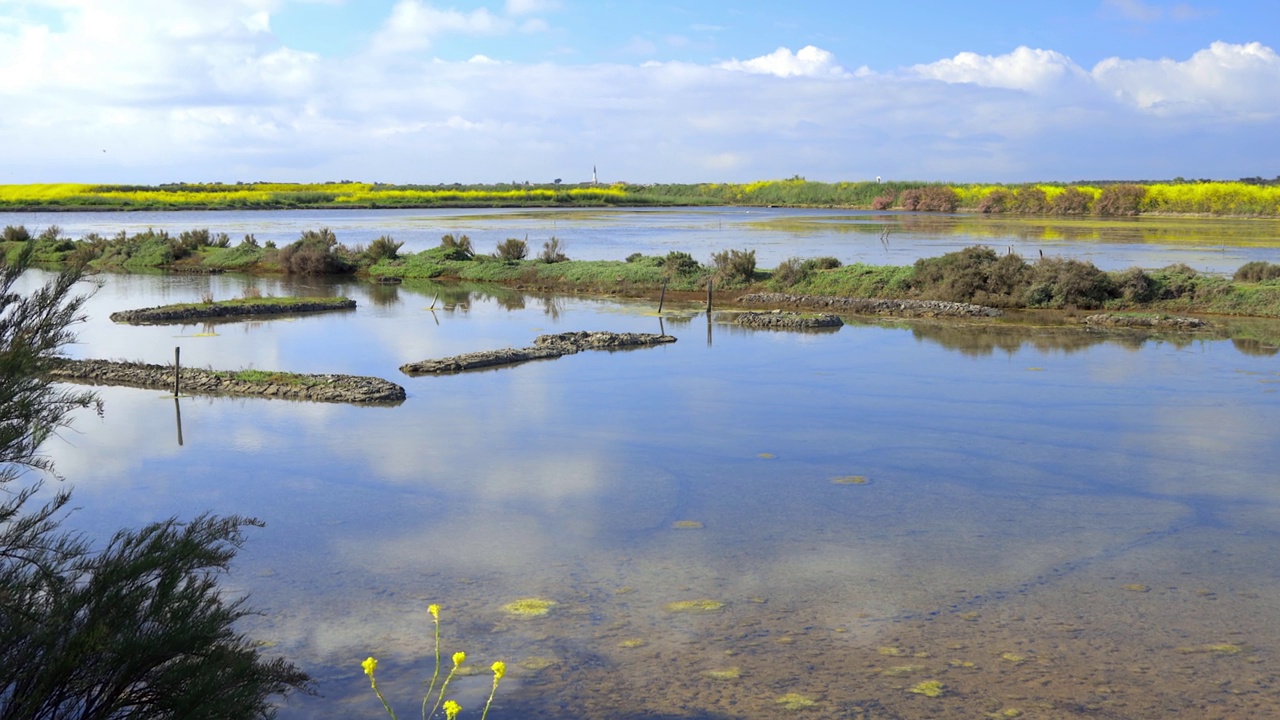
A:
<point x="177" y="370"/>
<point x="708" y="299"/>
<point x="433" y="301"/>
<point x="663" y="296"/>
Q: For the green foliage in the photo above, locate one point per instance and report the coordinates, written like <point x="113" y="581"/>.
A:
<point x="1134" y="285"/>
<point x="1063" y="282"/>
<point x="1257" y="271"/>
<point x="383" y="248"/>
<point x="1030" y="200"/>
<point x="996" y="201"/>
<point x="512" y="249"/>
<point x="137" y="629"/>
<point x="735" y="265"/>
<point x="457" y="248"/>
<point x="794" y="271"/>
<point x="1071" y="201"/>
<point x="315" y="253"/>
<point x="681" y="263"/>
<point x="16" y="233"/>
<point x="552" y="251"/>
<point x="974" y="274"/>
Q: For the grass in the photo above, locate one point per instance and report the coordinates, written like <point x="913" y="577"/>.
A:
<point x="246" y="302"/>
<point x="270" y="377"/>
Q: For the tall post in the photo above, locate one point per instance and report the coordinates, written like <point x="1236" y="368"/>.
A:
<point x="663" y="296"/>
<point x="177" y="370"/>
<point x="708" y="299"/>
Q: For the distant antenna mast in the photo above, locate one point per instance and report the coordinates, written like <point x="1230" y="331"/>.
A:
<point x="594" y="181"/>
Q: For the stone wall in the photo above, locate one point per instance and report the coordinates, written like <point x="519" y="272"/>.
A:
<point x="169" y="314"/>
<point x="873" y="306"/>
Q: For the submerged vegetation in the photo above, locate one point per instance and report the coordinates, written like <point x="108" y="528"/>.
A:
<point x="1248" y="196"/>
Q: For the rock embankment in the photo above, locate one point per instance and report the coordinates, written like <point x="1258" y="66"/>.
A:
<point x="788" y="320"/>
<point x="185" y="313"/>
<point x="873" y="306"/>
<point x="194" y="381"/>
<point x="544" y="347"/>
<point x="1164" y="322"/>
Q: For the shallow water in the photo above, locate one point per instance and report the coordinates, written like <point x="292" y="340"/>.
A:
<point x="1055" y="521"/>
<point x="1217" y="245"/>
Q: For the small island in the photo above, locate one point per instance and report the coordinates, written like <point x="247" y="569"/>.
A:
<point x="545" y="347"/>
<point x="235" y="308"/>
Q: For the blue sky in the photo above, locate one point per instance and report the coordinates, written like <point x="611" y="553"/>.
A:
<point x="426" y="91"/>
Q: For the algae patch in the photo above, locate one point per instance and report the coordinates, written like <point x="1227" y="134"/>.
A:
<point x="730" y="673"/>
<point x="631" y="643"/>
<point x="694" y="606"/>
<point x="851" y="480"/>
<point x="928" y="688"/>
<point x="796" y="701"/>
<point x="1212" y="648"/>
<point x="529" y="607"/>
<point x="687" y="525"/>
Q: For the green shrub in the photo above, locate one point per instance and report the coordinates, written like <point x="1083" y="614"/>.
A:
<point x="512" y="249"/>
<point x="681" y="263"/>
<point x="1063" y="282"/>
<point x="1134" y="285"/>
<point x="636" y="257"/>
<point x="315" y="253"/>
<point x="552" y="251"/>
<point x="1257" y="271"/>
<point x="735" y="265"/>
<point x="996" y="201"/>
<point x="383" y="248"/>
<point x="458" y="248"/>
<point x="16" y="233"/>
<point x="1030" y="200"/>
<point x="1175" y="281"/>
<point x="790" y="272"/>
<point x="823" y="263"/>
<point x="51" y="234"/>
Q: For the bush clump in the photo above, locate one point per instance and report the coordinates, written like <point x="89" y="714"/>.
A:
<point x="1134" y="285"/>
<point x="1063" y="282"/>
<point x="512" y="249"/>
<point x="1257" y="271"/>
<point x="733" y="265"/>
<point x="681" y="263"/>
<point x="1071" y="201"/>
<point x="975" y="274"/>
<point x="16" y="233"/>
<point x="457" y="248"/>
<point x="552" y="251"/>
<point x="1030" y="200"/>
<point x="883" y="202"/>
<point x="315" y="253"/>
<point x="1124" y="200"/>
<point x="383" y="248"/>
<point x="996" y="201"/>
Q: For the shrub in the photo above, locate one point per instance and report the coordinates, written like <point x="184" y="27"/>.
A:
<point x="52" y="234"/>
<point x="635" y="257"/>
<point x="512" y="249"/>
<point x="733" y="265"/>
<point x="938" y="198"/>
<point x="790" y="272"/>
<point x="1071" y="201"/>
<point x="823" y="263"/>
<point x="315" y="253"/>
<point x="552" y="251"/>
<point x="383" y="248"/>
<point x="1175" y="281"/>
<point x="458" y="248"/>
<point x="1062" y="282"/>
<point x="680" y="263"/>
<point x="221" y="240"/>
<point x="910" y="199"/>
<point x="16" y="233"/>
<point x="249" y="241"/>
<point x="1134" y="285"/>
<point x="883" y="202"/>
<point x="1257" y="271"/>
<point x="1032" y="200"/>
<point x="996" y="201"/>
<point x="1120" y="200"/>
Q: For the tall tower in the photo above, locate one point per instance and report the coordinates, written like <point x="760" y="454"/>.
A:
<point x="594" y="181"/>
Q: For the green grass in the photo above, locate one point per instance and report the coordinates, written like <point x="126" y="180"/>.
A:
<point x="269" y="377"/>
<point x="256" y="302"/>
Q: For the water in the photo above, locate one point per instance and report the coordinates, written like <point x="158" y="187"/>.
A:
<point x="1055" y="521"/>
<point x="1217" y="245"/>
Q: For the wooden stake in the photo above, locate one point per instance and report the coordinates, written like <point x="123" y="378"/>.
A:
<point x="663" y="296"/>
<point x="708" y="299"/>
<point x="177" y="369"/>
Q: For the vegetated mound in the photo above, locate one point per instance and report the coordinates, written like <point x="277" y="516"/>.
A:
<point x="788" y="320"/>
<point x="544" y="347"/>
<point x="1171" y="322"/>
<point x="873" y="306"/>
<point x="192" y="311"/>
<point x="358" y="389"/>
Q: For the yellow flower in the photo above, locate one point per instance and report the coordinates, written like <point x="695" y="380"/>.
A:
<point x="459" y="658"/>
<point x="435" y="611"/>
<point x="370" y="665"/>
<point x="499" y="669"/>
<point x="451" y="709"/>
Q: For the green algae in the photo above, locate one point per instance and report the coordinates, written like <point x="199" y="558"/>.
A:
<point x="529" y="607"/>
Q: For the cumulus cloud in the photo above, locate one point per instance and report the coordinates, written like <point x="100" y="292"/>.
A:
<point x="413" y="25"/>
<point x="1022" y="69"/>
<point x="1225" y="79"/>
<point x="810" y="61"/>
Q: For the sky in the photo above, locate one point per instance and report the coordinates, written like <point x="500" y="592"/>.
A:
<point x="495" y="91"/>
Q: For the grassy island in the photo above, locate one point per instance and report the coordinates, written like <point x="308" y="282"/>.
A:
<point x="233" y="308"/>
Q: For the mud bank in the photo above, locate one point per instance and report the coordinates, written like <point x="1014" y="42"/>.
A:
<point x="356" y="389"/>
<point x="545" y="347"/>
<point x="782" y="320"/>
<point x="872" y="306"/>
<point x="186" y="313"/>
<point x="1163" y="322"/>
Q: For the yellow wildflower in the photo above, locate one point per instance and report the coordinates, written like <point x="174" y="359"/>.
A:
<point x="459" y="658"/>
<point x="369" y="665"/>
<point x="435" y="612"/>
<point x="451" y="709"/>
<point x="499" y="669"/>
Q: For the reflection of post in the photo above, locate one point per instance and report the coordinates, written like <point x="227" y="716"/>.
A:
<point x="663" y="295"/>
<point x="177" y="414"/>
<point x="177" y="369"/>
<point x="662" y="329"/>
<point x="708" y="329"/>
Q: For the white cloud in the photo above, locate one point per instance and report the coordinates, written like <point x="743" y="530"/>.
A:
<point x="1022" y="69"/>
<point x="810" y="61"/>
<point x="1225" y="79"/>
<point x="413" y="25"/>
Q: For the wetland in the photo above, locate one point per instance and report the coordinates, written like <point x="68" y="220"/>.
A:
<point x="974" y="517"/>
